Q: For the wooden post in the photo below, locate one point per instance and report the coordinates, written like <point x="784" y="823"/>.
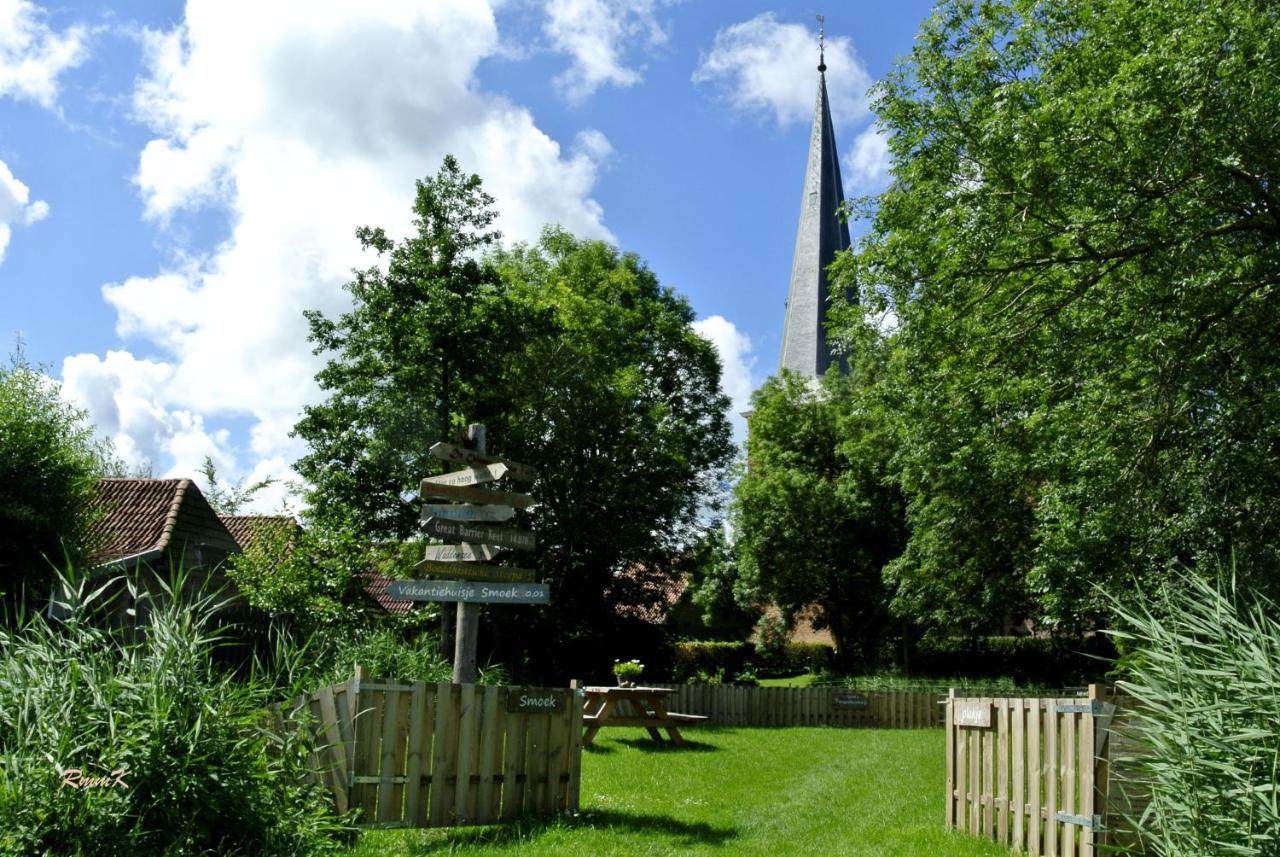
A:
<point x="466" y="633"/>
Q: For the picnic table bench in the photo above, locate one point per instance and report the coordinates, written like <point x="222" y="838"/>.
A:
<point x="633" y="706"/>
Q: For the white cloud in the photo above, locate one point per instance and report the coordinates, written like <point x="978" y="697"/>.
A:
<point x="15" y="207"/>
<point x="737" y="363"/>
<point x="126" y="399"/>
<point x="869" y="162"/>
<point x="596" y="34"/>
<point x="32" y="55"/>
<point x="313" y="121"/>
<point x="762" y="65"/>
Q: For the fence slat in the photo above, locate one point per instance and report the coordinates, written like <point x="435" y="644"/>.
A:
<point x="490" y="755"/>
<point x="1002" y="772"/>
<point x="1069" y="783"/>
<point x="1052" y="776"/>
<point x="1018" y="737"/>
<point x="419" y="744"/>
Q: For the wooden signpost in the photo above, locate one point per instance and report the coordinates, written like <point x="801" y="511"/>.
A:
<point x="468" y="525"/>
<point x="468" y="592"/>
<point x="474" y="571"/>
<point x="476" y="457"/>
<point x="460" y="553"/>
<point x="467" y="512"/>
<point x="487" y="534"/>
<point x="471" y="494"/>
<point x="470" y="476"/>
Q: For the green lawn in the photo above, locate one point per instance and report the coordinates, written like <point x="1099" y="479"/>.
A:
<point x="767" y="792"/>
<point x="805" y="680"/>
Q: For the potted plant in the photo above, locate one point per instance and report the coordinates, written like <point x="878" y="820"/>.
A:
<point x="627" y="672"/>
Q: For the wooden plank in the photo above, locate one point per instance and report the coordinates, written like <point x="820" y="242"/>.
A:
<point x="536" y="791"/>
<point x="416" y="748"/>
<point x="1035" y="771"/>
<point x="962" y="779"/>
<point x="1088" y="762"/>
<point x="558" y="756"/>
<point x="336" y="752"/>
<point x="387" y="811"/>
<point x="988" y="780"/>
<point x="974" y="737"/>
<point x="513" y="766"/>
<point x="1051" y="780"/>
<point x="1002" y="771"/>
<point x="951" y="765"/>
<point x="399" y="738"/>
<point x="1019" y="739"/>
<point x="490" y="755"/>
<point x="372" y="702"/>
<point x="441" y="755"/>
<point x="1068" y="798"/>
<point x="466" y="758"/>
<point x="574" y="787"/>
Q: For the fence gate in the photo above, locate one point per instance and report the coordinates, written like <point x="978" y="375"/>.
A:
<point x="1030" y="773"/>
<point x="413" y="754"/>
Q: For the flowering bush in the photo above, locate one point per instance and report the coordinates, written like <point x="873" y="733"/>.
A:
<point x="627" y="670"/>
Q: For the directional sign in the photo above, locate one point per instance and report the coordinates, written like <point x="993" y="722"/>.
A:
<point x="475" y="571"/>
<point x="469" y="494"/>
<point x="462" y="455"/>
<point x="460" y="553"/>
<point x="485" y="534"/>
<point x="468" y="512"/>
<point x="470" y="476"/>
<point x="476" y="593"/>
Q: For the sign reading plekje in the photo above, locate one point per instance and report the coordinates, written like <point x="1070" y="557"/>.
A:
<point x="460" y="553"/>
<point x="475" y="571"/>
<point x="467" y="512"/>
<point x="486" y="534"/>
<point x="470" y="476"/>
<point x="461" y="590"/>
<point x="471" y="458"/>
<point x="471" y="494"/>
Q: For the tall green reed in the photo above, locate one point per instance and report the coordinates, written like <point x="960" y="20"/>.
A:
<point x="104" y="690"/>
<point x="1203" y="669"/>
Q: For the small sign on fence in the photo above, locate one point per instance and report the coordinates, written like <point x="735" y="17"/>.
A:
<point x="536" y="699"/>
<point x="972" y="714"/>
<point x="850" y="700"/>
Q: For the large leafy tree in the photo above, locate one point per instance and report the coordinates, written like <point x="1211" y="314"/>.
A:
<point x="408" y="361"/>
<point x="817" y="514"/>
<point x="577" y="360"/>
<point x="49" y="459"/>
<point x="1082" y="244"/>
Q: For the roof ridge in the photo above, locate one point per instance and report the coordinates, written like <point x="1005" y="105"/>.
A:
<point x="171" y="519"/>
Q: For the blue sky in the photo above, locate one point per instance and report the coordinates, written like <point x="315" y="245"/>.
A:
<point x="178" y="182"/>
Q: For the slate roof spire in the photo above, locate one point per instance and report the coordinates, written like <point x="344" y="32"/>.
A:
<point x="819" y="236"/>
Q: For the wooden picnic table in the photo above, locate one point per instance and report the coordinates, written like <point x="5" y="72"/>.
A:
<point x="633" y="706"/>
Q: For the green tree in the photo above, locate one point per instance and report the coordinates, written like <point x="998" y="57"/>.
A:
<point x="407" y="361"/>
<point x="1082" y="245"/>
<point x="229" y="499"/>
<point x="817" y="515"/>
<point x="577" y="360"/>
<point x="49" y="459"/>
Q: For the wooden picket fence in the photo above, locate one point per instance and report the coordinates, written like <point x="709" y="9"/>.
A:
<point x="1031" y="773"/>
<point x="732" y="705"/>
<point x="413" y="754"/>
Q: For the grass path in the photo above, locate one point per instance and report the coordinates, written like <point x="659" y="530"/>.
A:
<point x="734" y="792"/>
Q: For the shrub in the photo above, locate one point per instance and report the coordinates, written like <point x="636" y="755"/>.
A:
<point x="203" y="773"/>
<point x="1203" y="666"/>
<point x="1025" y="660"/>
<point x="708" y="658"/>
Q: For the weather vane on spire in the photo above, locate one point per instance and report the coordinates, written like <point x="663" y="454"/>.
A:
<point x="822" y="48"/>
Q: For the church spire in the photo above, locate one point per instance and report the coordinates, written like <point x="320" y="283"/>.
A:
<point x="819" y="236"/>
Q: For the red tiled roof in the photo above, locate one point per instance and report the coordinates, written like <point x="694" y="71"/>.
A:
<point x="646" y="593"/>
<point x="142" y="516"/>
<point x="375" y="585"/>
